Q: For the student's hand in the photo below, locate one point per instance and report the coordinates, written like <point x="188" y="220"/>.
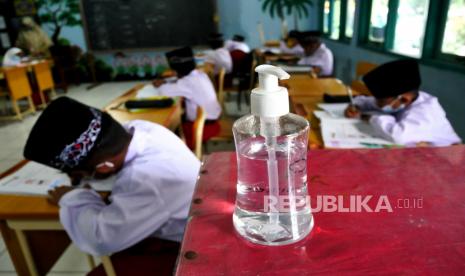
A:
<point x="56" y="194"/>
<point x="158" y="82"/>
<point x="352" y="112"/>
<point x="168" y="74"/>
<point x="316" y="70"/>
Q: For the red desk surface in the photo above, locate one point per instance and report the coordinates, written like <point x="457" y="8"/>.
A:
<point x="428" y="240"/>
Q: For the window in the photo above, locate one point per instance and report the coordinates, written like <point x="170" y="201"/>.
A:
<point x="410" y="27"/>
<point x="398" y="26"/>
<point x="454" y="33"/>
<point x="338" y="19"/>
<point x="378" y="20"/>
<point x="350" y="18"/>
<point x="430" y="30"/>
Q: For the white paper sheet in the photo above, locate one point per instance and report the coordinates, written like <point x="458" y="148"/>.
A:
<point x="296" y="68"/>
<point x="37" y="179"/>
<point x="341" y="132"/>
<point x="351" y="133"/>
<point x="148" y="91"/>
<point x="335" y="110"/>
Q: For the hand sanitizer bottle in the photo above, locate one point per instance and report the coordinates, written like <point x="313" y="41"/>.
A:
<point x="271" y="146"/>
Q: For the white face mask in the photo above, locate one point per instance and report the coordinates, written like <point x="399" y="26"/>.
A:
<point x="390" y="110"/>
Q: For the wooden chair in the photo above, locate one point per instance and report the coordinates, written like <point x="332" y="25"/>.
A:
<point x="43" y="76"/>
<point x="362" y="68"/>
<point x="197" y="131"/>
<point x="220" y="88"/>
<point x="19" y="88"/>
<point x="224" y="121"/>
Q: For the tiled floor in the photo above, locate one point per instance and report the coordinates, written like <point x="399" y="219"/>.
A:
<point x="13" y="136"/>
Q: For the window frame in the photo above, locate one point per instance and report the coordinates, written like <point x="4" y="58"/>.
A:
<point x="342" y="23"/>
<point x="434" y="35"/>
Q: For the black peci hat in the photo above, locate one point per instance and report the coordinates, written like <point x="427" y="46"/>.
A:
<point x="309" y="37"/>
<point x="393" y="78"/>
<point x="238" y="38"/>
<point x="181" y="60"/>
<point x="66" y="133"/>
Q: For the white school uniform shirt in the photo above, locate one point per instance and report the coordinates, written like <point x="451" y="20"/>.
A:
<point x="297" y="50"/>
<point x="232" y="45"/>
<point x="323" y="58"/>
<point x="220" y="58"/>
<point x="422" y="121"/>
<point x="197" y="90"/>
<point x="11" y="57"/>
<point x="150" y="197"/>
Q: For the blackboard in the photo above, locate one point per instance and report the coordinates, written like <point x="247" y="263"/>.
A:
<point x="147" y="24"/>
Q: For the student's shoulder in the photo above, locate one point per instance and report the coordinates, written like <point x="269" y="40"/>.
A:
<point x="427" y="100"/>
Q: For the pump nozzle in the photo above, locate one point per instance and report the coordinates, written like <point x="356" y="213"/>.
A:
<point x="268" y="76"/>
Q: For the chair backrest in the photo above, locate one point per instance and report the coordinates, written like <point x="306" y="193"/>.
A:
<point x="198" y="126"/>
<point x="43" y="76"/>
<point x="252" y="72"/>
<point x="18" y="83"/>
<point x="363" y="67"/>
<point x="220" y="87"/>
<point x="238" y="58"/>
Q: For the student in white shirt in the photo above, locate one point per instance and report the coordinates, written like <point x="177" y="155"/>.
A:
<point x="237" y="43"/>
<point x="408" y="116"/>
<point x="290" y="45"/>
<point x="155" y="176"/>
<point x="317" y="54"/>
<point x="12" y="57"/>
<point x="218" y="57"/>
<point x="196" y="89"/>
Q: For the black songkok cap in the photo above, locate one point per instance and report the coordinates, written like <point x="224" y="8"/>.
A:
<point x="181" y="60"/>
<point x="66" y="133"/>
<point x="393" y="78"/>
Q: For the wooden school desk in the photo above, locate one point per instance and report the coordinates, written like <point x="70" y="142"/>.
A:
<point x="29" y="66"/>
<point x="305" y="93"/>
<point x="169" y="117"/>
<point x="424" y="233"/>
<point x="30" y="225"/>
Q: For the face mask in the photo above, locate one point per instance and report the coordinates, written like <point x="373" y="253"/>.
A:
<point x="390" y="110"/>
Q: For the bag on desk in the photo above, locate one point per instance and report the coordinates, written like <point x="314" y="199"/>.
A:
<point x="327" y="98"/>
<point x="155" y="102"/>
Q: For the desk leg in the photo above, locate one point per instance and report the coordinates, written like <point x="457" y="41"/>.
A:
<point x="44" y="248"/>
<point x="14" y="249"/>
<point x="26" y="253"/>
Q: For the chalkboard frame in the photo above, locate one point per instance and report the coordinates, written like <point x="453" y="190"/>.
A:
<point x="215" y="18"/>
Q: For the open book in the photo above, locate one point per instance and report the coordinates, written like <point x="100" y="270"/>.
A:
<point x="341" y="132"/>
<point x="37" y="179"/>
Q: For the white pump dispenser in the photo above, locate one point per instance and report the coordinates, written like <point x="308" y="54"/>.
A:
<point x="269" y="99"/>
<point x="271" y="144"/>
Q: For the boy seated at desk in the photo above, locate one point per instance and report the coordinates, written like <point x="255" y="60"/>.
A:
<point x="237" y="43"/>
<point x="290" y="45"/>
<point x="155" y="178"/>
<point x="218" y="57"/>
<point x="408" y="116"/>
<point x="197" y="90"/>
<point x="316" y="55"/>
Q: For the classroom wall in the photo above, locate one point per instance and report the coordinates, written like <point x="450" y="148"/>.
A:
<point x="242" y="17"/>
<point x="235" y="17"/>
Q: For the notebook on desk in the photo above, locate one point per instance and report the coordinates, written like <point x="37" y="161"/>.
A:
<point x="37" y="179"/>
<point x="341" y="132"/>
